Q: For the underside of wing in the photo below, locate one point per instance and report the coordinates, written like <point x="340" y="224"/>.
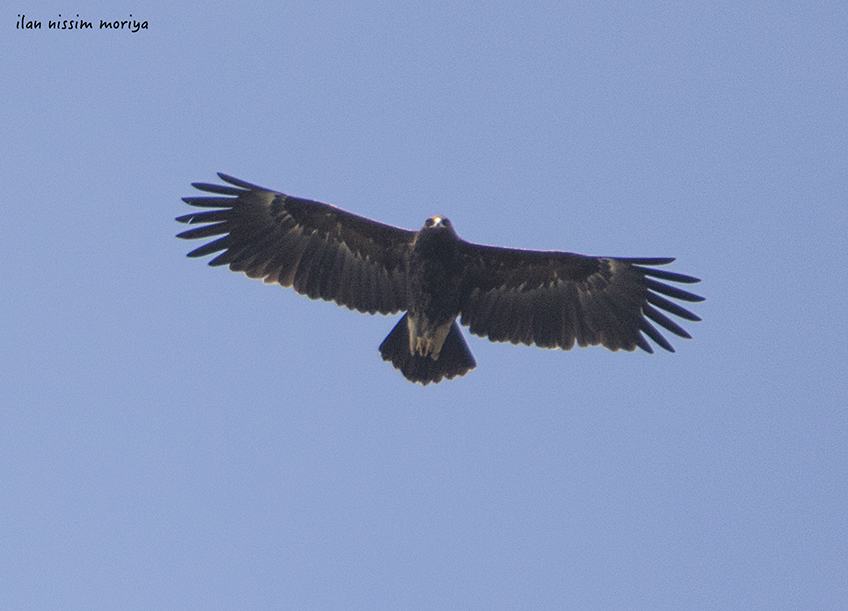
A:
<point x="557" y="299"/>
<point x="320" y="250"/>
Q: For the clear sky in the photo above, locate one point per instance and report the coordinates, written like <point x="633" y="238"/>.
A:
<point x="176" y="436"/>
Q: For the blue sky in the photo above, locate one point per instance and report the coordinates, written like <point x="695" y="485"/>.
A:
<point x="176" y="436"/>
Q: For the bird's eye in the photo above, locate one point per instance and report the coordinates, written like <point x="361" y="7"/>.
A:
<point x="429" y="223"/>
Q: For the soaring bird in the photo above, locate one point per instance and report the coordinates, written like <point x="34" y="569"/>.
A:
<point x="548" y="298"/>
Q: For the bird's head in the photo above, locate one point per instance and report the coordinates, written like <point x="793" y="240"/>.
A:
<point x="438" y="224"/>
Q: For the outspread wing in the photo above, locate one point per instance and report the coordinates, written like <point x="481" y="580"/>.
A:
<point x="554" y="299"/>
<point x="320" y="250"/>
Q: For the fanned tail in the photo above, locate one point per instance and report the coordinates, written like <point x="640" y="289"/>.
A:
<point x="454" y="360"/>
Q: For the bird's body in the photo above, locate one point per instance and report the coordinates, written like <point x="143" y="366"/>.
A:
<point x="433" y="286"/>
<point x="548" y="298"/>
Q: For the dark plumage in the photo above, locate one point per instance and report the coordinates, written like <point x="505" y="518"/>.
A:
<point x="548" y="298"/>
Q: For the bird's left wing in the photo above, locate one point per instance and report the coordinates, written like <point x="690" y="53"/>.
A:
<point x="320" y="250"/>
<point x="554" y="299"/>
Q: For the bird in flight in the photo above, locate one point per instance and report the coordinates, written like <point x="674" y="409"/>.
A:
<point x="548" y="298"/>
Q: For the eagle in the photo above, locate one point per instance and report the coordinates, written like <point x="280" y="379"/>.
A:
<point x="548" y="298"/>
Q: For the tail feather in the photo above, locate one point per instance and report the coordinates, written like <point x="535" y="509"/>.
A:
<point x="454" y="360"/>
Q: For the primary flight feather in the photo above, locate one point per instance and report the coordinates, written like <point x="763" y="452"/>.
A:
<point x="548" y="298"/>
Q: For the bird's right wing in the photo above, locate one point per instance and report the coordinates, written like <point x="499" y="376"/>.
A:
<point x="320" y="250"/>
